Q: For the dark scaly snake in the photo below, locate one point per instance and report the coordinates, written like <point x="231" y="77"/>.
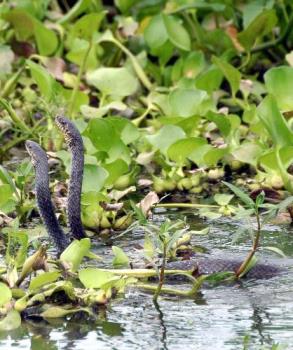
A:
<point x="201" y="265"/>
<point x="43" y="196"/>
<point x="74" y="142"/>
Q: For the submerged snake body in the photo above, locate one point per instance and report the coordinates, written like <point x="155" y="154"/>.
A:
<point x="208" y="266"/>
<point x="45" y="205"/>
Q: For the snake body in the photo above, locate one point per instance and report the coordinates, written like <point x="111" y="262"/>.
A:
<point x="74" y="142"/>
<point x="207" y="266"/>
<point x="43" y="196"/>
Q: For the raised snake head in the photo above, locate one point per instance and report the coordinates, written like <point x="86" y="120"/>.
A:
<point x="35" y="151"/>
<point x="69" y="130"/>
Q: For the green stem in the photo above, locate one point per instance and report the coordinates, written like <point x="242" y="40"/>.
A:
<point x="139" y="119"/>
<point x="9" y="85"/>
<point x="162" y="274"/>
<point x="77" y="83"/>
<point x="255" y="245"/>
<point x="184" y="205"/>
<point x="17" y="121"/>
<point x="139" y="71"/>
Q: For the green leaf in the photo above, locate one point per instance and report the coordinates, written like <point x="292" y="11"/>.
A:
<point x="75" y="252"/>
<point x="177" y="34"/>
<point x="127" y="130"/>
<point x="5" y="294"/>
<point x="165" y="137"/>
<point x="231" y="74"/>
<point x="87" y="25"/>
<point x="43" y="78"/>
<point x="113" y="81"/>
<point x="274" y="122"/>
<point x="155" y="33"/>
<point x="43" y="279"/>
<point x="26" y="26"/>
<point x="187" y="102"/>
<point x="78" y="8"/>
<point x="222" y="198"/>
<point x="181" y="149"/>
<point x="248" y="152"/>
<point x="94" y="178"/>
<point x="11" y="321"/>
<point x="260" y="26"/>
<point x="115" y="170"/>
<point x="242" y="195"/>
<point x="120" y="258"/>
<point x="279" y="83"/>
<point x="7" y="203"/>
<point x="95" y="278"/>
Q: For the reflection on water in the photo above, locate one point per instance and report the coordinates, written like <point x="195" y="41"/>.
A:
<point x="219" y="318"/>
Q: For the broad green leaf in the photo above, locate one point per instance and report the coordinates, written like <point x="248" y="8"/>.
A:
<point x="43" y="78"/>
<point x="248" y="152"/>
<point x="165" y="137"/>
<point x="120" y="258"/>
<point x="210" y="80"/>
<point x="43" y="279"/>
<point x="177" y="34"/>
<point x="279" y="83"/>
<point x="81" y="98"/>
<point x="252" y="9"/>
<point x="274" y="122"/>
<point x="240" y="194"/>
<point x="181" y="149"/>
<point x="221" y="121"/>
<point x="26" y="26"/>
<point x="155" y="33"/>
<point x="94" y="278"/>
<point x="127" y="130"/>
<point x="102" y="134"/>
<point x="269" y="160"/>
<point x="186" y="102"/>
<point x="11" y="321"/>
<point x="113" y="81"/>
<point x="260" y="26"/>
<point x="75" y="252"/>
<point x="232" y="75"/>
<point x="213" y="155"/>
<point x="115" y="170"/>
<point x="5" y="294"/>
<point x="94" y="178"/>
<point x="7" y="202"/>
<point x="87" y="25"/>
<point x="222" y="198"/>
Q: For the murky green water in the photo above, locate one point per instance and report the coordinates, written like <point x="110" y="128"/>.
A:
<point x="219" y="318"/>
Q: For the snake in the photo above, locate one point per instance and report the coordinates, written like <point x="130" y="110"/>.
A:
<point x="74" y="142"/>
<point x="200" y="265"/>
<point x="46" y="209"/>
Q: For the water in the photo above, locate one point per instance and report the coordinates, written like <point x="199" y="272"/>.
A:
<point x="219" y="318"/>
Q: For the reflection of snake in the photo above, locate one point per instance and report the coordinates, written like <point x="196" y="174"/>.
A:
<point x="207" y="266"/>
<point x="45" y="205"/>
<point x="74" y="142"/>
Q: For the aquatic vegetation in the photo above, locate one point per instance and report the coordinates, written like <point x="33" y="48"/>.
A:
<point x="168" y="104"/>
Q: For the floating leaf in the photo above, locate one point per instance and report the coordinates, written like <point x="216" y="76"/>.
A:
<point x="155" y="33"/>
<point x="120" y="258"/>
<point x="95" y="278"/>
<point x="11" y="321"/>
<point x="167" y="135"/>
<point x="177" y="34"/>
<point x="274" y="122"/>
<point x="5" y="294"/>
<point x="113" y="81"/>
<point x="75" y="252"/>
<point x="94" y="178"/>
<point x="187" y="102"/>
<point x="279" y="83"/>
<point x="44" y="278"/>
<point x="181" y="149"/>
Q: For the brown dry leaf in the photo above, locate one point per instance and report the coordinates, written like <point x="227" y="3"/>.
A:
<point x="56" y="66"/>
<point x="111" y="207"/>
<point x="149" y="200"/>
<point x="232" y="32"/>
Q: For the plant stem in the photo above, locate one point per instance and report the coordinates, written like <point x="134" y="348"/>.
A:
<point x="162" y="274"/>
<point x="15" y="118"/>
<point x="76" y="86"/>
<point x="255" y="245"/>
<point x="139" y="71"/>
<point x="184" y="205"/>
